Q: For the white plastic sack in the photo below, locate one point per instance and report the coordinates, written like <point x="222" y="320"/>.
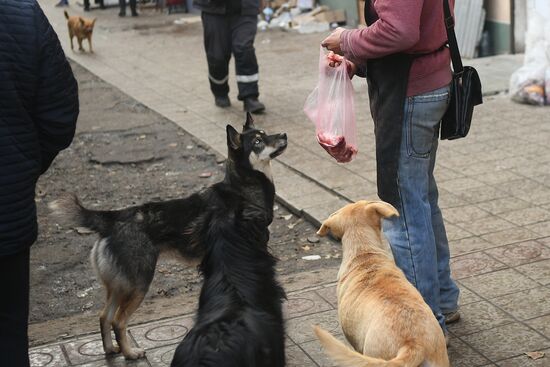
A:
<point x="530" y="83"/>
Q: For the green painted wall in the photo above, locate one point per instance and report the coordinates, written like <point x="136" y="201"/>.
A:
<point x="350" y="6"/>
<point x="500" y="36"/>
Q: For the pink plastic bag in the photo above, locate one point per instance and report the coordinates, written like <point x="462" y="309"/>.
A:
<point x="330" y="107"/>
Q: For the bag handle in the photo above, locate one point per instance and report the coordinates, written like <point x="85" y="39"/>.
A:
<point x="451" y="39"/>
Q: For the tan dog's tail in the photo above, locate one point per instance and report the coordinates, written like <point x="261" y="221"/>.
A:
<point x="346" y="357"/>
<point x="66" y="14"/>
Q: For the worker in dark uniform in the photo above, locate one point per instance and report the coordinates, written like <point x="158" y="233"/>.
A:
<point x="230" y="28"/>
<point x="87" y="4"/>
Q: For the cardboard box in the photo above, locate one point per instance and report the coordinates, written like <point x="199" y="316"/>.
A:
<point x="332" y="16"/>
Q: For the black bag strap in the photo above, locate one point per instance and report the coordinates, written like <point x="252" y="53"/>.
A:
<point x="451" y="39"/>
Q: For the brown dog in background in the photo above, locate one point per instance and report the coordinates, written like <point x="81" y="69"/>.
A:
<point x="81" y="28"/>
<point x="382" y="315"/>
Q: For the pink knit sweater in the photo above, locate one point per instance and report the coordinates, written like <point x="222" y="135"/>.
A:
<point x="409" y="26"/>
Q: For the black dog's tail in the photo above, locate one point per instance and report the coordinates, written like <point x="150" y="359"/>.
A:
<point x="66" y="14"/>
<point x="71" y="212"/>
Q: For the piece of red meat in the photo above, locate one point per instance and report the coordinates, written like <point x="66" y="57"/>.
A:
<point x="336" y="146"/>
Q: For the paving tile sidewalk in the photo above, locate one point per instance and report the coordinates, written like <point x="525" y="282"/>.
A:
<point x="494" y="187"/>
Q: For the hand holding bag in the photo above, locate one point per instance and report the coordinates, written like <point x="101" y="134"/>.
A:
<point x="465" y="88"/>
<point x="331" y="108"/>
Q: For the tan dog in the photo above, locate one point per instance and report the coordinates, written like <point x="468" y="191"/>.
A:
<point x="80" y="28"/>
<point x="382" y="315"/>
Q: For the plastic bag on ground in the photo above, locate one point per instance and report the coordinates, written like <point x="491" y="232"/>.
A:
<point x="530" y="83"/>
<point x="331" y="108"/>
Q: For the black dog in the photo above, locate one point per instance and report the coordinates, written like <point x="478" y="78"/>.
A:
<point x="132" y="239"/>
<point x="239" y="321"/>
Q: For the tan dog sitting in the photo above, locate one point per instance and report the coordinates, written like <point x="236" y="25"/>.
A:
<point x="81" y="28"/>
<point x="382" y="315"/>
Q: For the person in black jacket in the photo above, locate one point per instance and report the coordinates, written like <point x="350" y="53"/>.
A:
<point x="38" y="113"/>
<point x="230" y="28"/>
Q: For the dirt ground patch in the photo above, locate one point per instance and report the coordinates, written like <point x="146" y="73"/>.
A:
<point x="125" y="154"/>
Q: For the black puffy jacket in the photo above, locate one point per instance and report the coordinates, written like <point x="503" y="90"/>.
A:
<point x="248" y="7"/>
<point x="38" y="112"/>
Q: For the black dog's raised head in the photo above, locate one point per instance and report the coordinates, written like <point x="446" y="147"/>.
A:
<point x="254" y="148"/>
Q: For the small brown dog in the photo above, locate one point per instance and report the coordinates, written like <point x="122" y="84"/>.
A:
<point x="382" y="315"/>
<point x="80" y="28"/>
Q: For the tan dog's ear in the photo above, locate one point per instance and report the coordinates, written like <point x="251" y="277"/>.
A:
<point x="81" y="21"/>
<point x="378" y="210"/>
<point x="323" y="231"/>
<point x="93" y="21"/>
<point x="384" y="210"/>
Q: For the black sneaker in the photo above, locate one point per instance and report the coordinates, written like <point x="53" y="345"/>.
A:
<point x="252" y="105"/>
<point x="222" y="101"/>
<point x="122" y="14"/>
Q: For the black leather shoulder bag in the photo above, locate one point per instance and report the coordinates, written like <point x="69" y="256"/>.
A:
<point x="465" y="88"/>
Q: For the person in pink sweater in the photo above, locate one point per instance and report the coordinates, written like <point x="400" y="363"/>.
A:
<point x="403" y="54"/>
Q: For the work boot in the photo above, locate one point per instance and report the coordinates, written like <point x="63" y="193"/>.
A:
<point x="252" y="105"/>
<point x="451" y="317"/>
<point x="222" y="101"/>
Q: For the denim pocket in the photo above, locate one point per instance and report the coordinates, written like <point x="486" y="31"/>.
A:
<point x="423" y="113"/>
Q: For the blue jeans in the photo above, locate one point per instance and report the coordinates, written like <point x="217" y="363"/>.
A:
<point x="417" y="237"/>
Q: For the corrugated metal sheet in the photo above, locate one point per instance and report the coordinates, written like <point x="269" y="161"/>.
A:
<point x="469" y="20"/>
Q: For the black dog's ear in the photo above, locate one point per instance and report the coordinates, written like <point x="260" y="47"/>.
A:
<point x="233" y="138"/>
<point x="249" y="124"/>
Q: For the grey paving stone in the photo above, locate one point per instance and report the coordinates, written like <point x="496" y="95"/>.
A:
<point x="497" y="177"/>
<point x="466" y="213"/>
<point x="541" y="324"/>
<point x="448" y="200"/>
<point x="118" y="361"/>
<point x="469" y="245"/>
<point x="161" y="357"/>
<point x="503" y="205"/>
<point x="86" y="350"/>
<point x="455" y="232"/>
<point x="48" y="356"/>
<point x="329" y="295"/>
<point x="459" y="184"/>
<point x="316" y="352"/>
<point x="499" y="283"/>
<point x="158" y="334"/>
<point x="527" y="304"/>
<point x="525" y="361"/>
<point x="462" y="355"/>
<point x="295" y="357"/>
<point x="481" y="194"/>
<point x="300" y="330"/>
<point x="474" y="264"/>
<point x="486" y="225"/>
<point x="542" y="228"/>
<point x="477" y="317"/>
<point x="526" y="216"/>
<point x="466" y="296"/>
<point x="305" y="303"/>
<point x="300" y="281"/>
<point x="520" y="253"/>
<point x="539" y="271"/>
<point x="507" y="341"/>
<point x="508" y="236"/>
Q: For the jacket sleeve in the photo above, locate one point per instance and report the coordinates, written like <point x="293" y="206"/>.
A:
<point x="397" y="29"/>
<point x="56" y="101"/>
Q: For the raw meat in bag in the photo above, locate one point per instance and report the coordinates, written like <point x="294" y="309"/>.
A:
<point x="331" y="108"/>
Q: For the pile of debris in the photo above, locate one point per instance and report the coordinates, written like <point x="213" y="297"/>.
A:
<point x="303" y="16"/>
